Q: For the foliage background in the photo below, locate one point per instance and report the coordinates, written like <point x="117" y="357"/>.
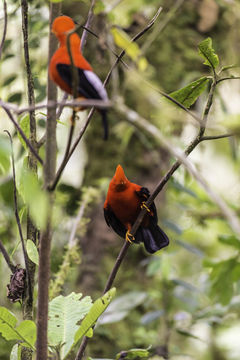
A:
<point x="176" y="298"/>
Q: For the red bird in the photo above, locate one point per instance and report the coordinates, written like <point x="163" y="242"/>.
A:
<point x="121" y="208"/>
<point x="89" y="84"/>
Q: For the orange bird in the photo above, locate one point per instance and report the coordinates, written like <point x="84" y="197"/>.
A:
<point x="89" y="84"/>
<point x="121" y="208"/>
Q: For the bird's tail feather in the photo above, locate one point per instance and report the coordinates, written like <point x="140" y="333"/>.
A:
<point x="105" y="124"/>
<point x="153" y="237"/>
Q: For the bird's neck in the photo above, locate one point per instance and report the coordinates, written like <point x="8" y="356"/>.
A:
<point x="75" y="41"/>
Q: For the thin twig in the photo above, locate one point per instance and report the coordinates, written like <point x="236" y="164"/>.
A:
<point x="166" y="19"/>
<point x="11" y="266"/>
<point x="216" y="137"/>
<point x="71" y="241"/>
<point x="228" y="78"/>
<point x="88" y="23"/>
<point x="21" y="132"/>
<point x="18" y="219"/>
<point x="4" y="27"/>
<point x="66" y="159"/>
<point x="135" y="38"/>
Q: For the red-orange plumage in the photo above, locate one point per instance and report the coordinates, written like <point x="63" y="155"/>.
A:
<point x="89" y="85"/>
<point x="121" y="209"/>
<point x="60" y="27"/>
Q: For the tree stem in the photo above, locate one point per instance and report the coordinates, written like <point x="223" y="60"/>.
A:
<point x="46" y="236"/>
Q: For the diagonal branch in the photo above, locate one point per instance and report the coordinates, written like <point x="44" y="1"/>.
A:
<point x="11" y="266"/>
<point x="29" y="145"/>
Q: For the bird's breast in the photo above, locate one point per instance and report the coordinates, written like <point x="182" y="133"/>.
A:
<point x="125" y="205"/>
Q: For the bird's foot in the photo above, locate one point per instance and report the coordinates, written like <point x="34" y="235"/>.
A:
<point x="129" y="237"/>
<point x="144" y="206"/>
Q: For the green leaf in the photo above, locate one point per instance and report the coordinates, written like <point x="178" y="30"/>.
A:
<point x="133" y="354"/>
<point x="187" y="334"/>
<point x="223" y="276"/>
<point x="151" y="316"/>
<point x="25" y="332"/>
<point x="25" y="126"/>
<point x="181" y="188"/>
<point x="96" y="310"/>
<point x="207" y="52"/>
<point x="230" y="240"/>
<point x="32" y="252"/>
<point x="33" y="195"/>
<point x="131" y="48"/>
<point x="189" y="94"/>
<point x="227" y="67"/>
<point x="15" y="98"/>
<point x="65" y="312"/>
<point x="9" y="80"/>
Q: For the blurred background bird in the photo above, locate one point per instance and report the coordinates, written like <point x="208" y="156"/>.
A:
<point x="88" y="84"/>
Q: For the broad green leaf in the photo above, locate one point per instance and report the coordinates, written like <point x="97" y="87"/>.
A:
<point x="25" y="332"/>
<point x="121" y="306"/>
<point x="56" y="1"/>
<point x="15" y="353"/>
<point x="97" y="309"/>
<point x="189" y="94"/>
<point x="33" y="196"/>
<point x="207" y="52"/>
<point x="133" y="354"/>
<point x="32" y="252"/>
<point x="65" y="313"/>
<point x="25" y="126"/>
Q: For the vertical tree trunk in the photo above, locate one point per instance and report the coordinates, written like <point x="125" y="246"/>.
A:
<point x="32" y="165"/>
<point x="46" y="236"/>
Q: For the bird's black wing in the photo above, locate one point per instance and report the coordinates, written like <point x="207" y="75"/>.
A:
<point x="89" y="86"/>
<point x="113" y="222"/>
<point x="85" y="88"/>
<point x="143" y="195"/>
